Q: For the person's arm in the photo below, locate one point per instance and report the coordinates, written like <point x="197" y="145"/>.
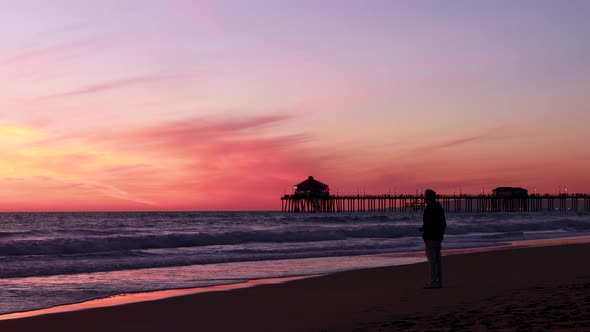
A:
<point x="426" y="220"/>
<point x="441" y="222"/>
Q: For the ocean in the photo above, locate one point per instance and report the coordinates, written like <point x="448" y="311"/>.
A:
<point x="49" y="259"/>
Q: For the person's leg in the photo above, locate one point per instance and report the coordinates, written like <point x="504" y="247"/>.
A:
<point x="431" y="256"/>
<point x="434" y="260"/>
<point x="438" y="267"/>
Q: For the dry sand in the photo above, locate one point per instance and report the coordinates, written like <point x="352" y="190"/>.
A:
<point x="539" y="288"/>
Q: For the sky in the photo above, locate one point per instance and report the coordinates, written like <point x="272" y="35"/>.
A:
<point x="225" y="105"/>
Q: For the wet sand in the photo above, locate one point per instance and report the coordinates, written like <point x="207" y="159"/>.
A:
<point x="529" y="288"/>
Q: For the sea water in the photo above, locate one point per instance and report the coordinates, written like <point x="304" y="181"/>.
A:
<point x="48" y="259"/>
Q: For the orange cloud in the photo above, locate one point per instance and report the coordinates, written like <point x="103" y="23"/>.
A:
<point x="235" y="163"/>
<point x="218" y="162"/>
<point x="199" y="164"/>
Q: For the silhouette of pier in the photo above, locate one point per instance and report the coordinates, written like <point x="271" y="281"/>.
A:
<point x="451" y="203"/>
<point x="312" y="195"/>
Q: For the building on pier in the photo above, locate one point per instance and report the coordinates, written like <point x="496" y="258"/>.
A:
<point x="311" y="188"/>
<point x="512" y="192"/>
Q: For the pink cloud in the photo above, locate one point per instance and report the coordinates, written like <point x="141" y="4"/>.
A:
<point x="413" y="168"/>
<point x="195" y="131"/>
<point x="222" y="160"/>
<point x="33" y="54"/>
<point x="484" y="135"/>
<point x="241" y="163"/>
<point x="47" y="193"/>
<point x="116" y="84"/>
<point x="199" y="163"/>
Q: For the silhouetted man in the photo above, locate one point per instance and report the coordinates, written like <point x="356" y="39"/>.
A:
<point x="433" y="229"/>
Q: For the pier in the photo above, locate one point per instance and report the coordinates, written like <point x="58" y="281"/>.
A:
<point x="312" y="195"/>
<point x="452" y="203"/>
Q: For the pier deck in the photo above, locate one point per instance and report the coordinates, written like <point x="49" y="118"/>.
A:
<point x="454" y="203"/>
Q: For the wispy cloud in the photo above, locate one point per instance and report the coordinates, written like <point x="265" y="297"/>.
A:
<point x="112" y="85"/>
<point x="197" y="131"/>
<point x="37" y="53"/>
<point x="198" y="163"/>
<point x="484" y="135"/>
<point x="216" y="160"/>
<point x="114" y="192"/>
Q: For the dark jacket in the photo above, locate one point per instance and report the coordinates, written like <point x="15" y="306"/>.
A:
<point x="435" y="223"/>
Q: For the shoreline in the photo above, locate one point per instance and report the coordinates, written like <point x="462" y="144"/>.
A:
<point x="128" y="298"/>
<point x="155" y="296"/>
<point x="485" y="290"/>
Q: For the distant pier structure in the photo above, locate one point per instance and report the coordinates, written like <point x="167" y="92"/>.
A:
<point x="312" y="195"/>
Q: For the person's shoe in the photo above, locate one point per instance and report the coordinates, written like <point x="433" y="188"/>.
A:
<point x="431" y="286"/>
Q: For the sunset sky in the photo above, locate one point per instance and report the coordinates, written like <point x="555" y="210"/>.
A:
<point x="225" y="105"/>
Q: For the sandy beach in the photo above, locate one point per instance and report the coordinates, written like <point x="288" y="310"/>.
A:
<point x="536" y="288"/>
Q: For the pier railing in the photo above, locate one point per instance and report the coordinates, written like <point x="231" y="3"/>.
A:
<point x="451" y="203"/>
